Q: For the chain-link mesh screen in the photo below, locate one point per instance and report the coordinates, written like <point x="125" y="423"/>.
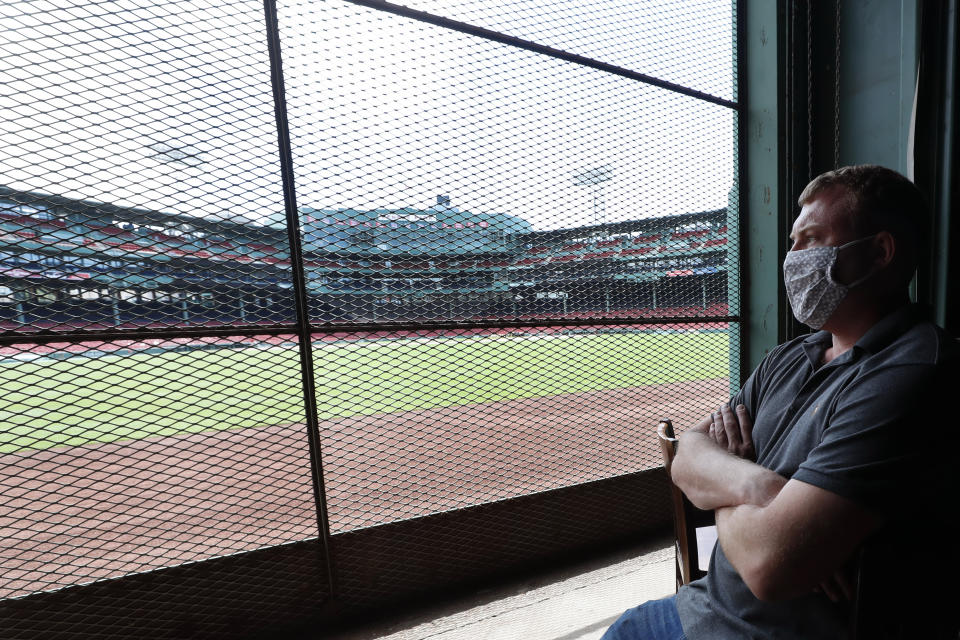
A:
<point x="118" y="458"/>
<point x="687" y="43"/>
<point x="154" y="123"/>
<point x="466" y="417"/>
<point x="517" y="230"/>
<point x="140" y="188"/>
<point x="442" y="176"/>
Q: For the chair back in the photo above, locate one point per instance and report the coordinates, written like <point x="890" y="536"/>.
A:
<point x="686" y="517"/>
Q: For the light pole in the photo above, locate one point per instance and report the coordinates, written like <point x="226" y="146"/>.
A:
<point x="595" y="177"/>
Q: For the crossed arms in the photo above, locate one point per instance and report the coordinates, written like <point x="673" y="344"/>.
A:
<point x="785" y="538"/>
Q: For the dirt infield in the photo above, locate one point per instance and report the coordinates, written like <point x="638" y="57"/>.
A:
<point x="74" y="515"/>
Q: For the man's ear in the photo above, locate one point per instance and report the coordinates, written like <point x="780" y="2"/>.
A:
<point x="885" y="246"/>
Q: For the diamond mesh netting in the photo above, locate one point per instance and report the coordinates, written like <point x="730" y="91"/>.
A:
<point x="139" y="162"/>
<point x="514" y="248"/>
<point x="120" y="458"/>
<point x="459" y="179"/>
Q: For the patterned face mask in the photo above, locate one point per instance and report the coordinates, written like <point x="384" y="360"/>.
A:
<point x="808" y="277"/>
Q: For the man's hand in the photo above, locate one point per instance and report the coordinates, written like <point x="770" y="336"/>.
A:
<point x="839" y="586"/>
<point x="712" y="475"/>
<point x="733" y="431"/>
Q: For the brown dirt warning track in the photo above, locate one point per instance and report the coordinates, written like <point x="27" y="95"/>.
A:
<point x="74" y="515"/>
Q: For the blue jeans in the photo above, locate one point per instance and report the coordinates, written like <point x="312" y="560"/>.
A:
<point x="653" y="620"/>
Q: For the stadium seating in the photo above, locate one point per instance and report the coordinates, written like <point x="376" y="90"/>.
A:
<point x="121" y="251"/>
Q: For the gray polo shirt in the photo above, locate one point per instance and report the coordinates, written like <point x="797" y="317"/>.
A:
<point x="840" y="427"/>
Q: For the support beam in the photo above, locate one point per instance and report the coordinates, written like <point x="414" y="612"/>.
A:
<point x="937" y="156"/>
<point x="760" y="286"/>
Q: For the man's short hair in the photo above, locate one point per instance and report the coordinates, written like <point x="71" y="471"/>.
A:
<point x="880" y="199"/>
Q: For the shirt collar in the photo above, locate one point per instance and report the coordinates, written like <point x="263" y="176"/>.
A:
<point x="891" y="326"/>
<point x="814" y="345"/>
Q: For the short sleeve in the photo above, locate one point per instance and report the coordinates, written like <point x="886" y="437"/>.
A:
<point x="877" y="444"/>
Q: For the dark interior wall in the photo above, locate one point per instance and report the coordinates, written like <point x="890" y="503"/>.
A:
<point x="858" y="81"/>
<point x="935" y="154"/>
<point x="874" y="83"/>
<point x="879" y="53"/>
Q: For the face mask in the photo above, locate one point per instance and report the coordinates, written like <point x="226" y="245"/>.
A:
<point x="808" y="277"/>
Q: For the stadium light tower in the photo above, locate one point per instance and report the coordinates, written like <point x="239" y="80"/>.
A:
<point x="595" y="177"/>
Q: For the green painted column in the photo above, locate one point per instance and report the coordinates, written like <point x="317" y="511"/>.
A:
<point x="762" y="61"/>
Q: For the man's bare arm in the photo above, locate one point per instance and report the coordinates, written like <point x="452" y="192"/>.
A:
<point x="795" y="542"/>
<point x="784" y="538"/>
<point x="713" y="477"/>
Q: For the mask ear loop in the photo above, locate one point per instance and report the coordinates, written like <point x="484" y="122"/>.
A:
<point x="859" y="281"/>
<point x="833" y="265"/>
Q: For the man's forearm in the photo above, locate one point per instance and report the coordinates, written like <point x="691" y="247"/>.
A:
<point x="792" y="544"/>
<point x="712" y="478"/>
<point x="746" y="539"/>
<point x="753" y="544"/>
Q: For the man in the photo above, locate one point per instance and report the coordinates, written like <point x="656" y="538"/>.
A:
<point x="829" y="439"/>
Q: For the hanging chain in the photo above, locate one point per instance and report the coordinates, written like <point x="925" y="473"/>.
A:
<point x="809" y="4"/>
<point x="836" y="90"/>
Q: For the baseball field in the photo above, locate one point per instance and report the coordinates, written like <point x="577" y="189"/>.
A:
<point x="113" y="464"/>
<point x="83" y="400"/>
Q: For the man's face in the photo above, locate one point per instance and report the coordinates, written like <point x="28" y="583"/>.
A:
<point x="824" y="222"/>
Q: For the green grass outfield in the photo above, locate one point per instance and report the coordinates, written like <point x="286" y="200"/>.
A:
<point x="82" y="400"/>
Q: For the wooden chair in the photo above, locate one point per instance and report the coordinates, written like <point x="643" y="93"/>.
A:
<point x="695" y="530"/>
